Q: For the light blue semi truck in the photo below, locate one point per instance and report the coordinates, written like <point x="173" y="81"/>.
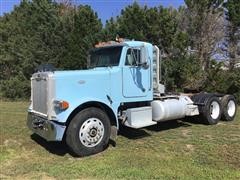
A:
<point x="120" y="88"/>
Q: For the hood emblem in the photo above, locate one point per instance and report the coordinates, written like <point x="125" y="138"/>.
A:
<point x="81" y="82"/>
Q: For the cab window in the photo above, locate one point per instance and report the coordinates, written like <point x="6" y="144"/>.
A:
<point x="132" y="57"/>
<point x="104" y="57"/>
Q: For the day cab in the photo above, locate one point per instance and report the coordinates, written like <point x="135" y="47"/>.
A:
<point x="121" y="87"/>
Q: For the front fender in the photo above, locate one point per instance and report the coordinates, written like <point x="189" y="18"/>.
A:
<point x="74" y="107"/>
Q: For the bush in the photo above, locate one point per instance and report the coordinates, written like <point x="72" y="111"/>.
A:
<point x="223" y="81"/>
<point x="182" y="72"/>
<point x="186" y="73"/>
<point x="17" y="87"/>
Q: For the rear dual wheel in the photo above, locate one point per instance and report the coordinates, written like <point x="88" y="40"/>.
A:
<point x="229" y="105"/>
<point x="212" y="110"/>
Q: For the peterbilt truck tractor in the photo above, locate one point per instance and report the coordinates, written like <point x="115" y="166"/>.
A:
<point x="121" y="87"/>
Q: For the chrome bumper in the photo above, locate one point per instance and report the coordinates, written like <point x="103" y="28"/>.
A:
<point x="49" y="130"/>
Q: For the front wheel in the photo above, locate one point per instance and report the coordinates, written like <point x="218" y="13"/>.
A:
<point x="89" y="131"/>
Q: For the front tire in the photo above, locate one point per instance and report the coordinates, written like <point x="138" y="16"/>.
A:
<point x="89" y="131"/>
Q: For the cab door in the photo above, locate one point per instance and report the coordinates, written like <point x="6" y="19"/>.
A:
<point x="135" y="77"/>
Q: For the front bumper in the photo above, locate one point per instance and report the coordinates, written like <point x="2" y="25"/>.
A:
<point x="47" y="129"/>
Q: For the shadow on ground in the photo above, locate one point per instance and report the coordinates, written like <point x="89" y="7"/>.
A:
<point x="133" y="133"/>
<point x="167" y="125"/>
<point x="161" y="126"/>
<point x="58" y="148"/>
<point x="194" y="120"/>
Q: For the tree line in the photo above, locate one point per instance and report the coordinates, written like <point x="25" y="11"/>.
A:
<point x="191" y="39"/>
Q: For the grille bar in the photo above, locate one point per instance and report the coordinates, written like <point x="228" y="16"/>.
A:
<point x="40" y="92"/>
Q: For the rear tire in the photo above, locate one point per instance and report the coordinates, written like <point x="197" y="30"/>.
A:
<point x="212" y="110"/>
<point x="229" y="105"/>
<point x="88" y="132"/>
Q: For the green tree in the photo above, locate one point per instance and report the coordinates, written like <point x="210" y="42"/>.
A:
<point x="39" y="32"/>
<point x="157" y="25"/>
<point x="111" y="30"/>
<point x="233" y="34"/>
<point x="205" y="27"/>
<point x="132" y="22"/>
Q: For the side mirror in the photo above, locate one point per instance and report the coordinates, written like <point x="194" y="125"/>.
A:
<point x="144" y="58"/>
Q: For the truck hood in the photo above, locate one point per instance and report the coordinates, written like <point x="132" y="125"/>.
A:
<point x="82" y="73"/>
<point x="82" y="85"/>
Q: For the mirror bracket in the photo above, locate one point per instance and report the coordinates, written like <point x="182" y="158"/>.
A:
<point x="144" y="58"/>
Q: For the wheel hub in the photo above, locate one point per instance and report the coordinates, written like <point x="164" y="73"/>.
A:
<point x="231" y="108"/>
<point x="91" y="132"/>
<point x="214" y="110"/>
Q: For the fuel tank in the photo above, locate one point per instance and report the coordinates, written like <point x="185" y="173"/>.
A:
<point x="169" y="109"/>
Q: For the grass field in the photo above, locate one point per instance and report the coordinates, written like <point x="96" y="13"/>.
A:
<point x="169" y="150"/>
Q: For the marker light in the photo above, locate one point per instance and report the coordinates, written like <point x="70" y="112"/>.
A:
<point x="63" y="105"/>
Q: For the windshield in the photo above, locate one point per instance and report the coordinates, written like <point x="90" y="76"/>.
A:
<point x="105" y="57"/>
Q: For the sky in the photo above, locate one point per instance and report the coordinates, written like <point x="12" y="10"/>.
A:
<point x="104" y="8"/>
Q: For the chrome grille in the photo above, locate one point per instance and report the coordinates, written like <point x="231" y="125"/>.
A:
<point x="40" y="92"/>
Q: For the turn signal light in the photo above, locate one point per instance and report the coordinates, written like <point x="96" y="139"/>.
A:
<point x="63" y="105"/>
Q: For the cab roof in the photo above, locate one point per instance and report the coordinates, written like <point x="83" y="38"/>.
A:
<point x="130" y="43"/>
